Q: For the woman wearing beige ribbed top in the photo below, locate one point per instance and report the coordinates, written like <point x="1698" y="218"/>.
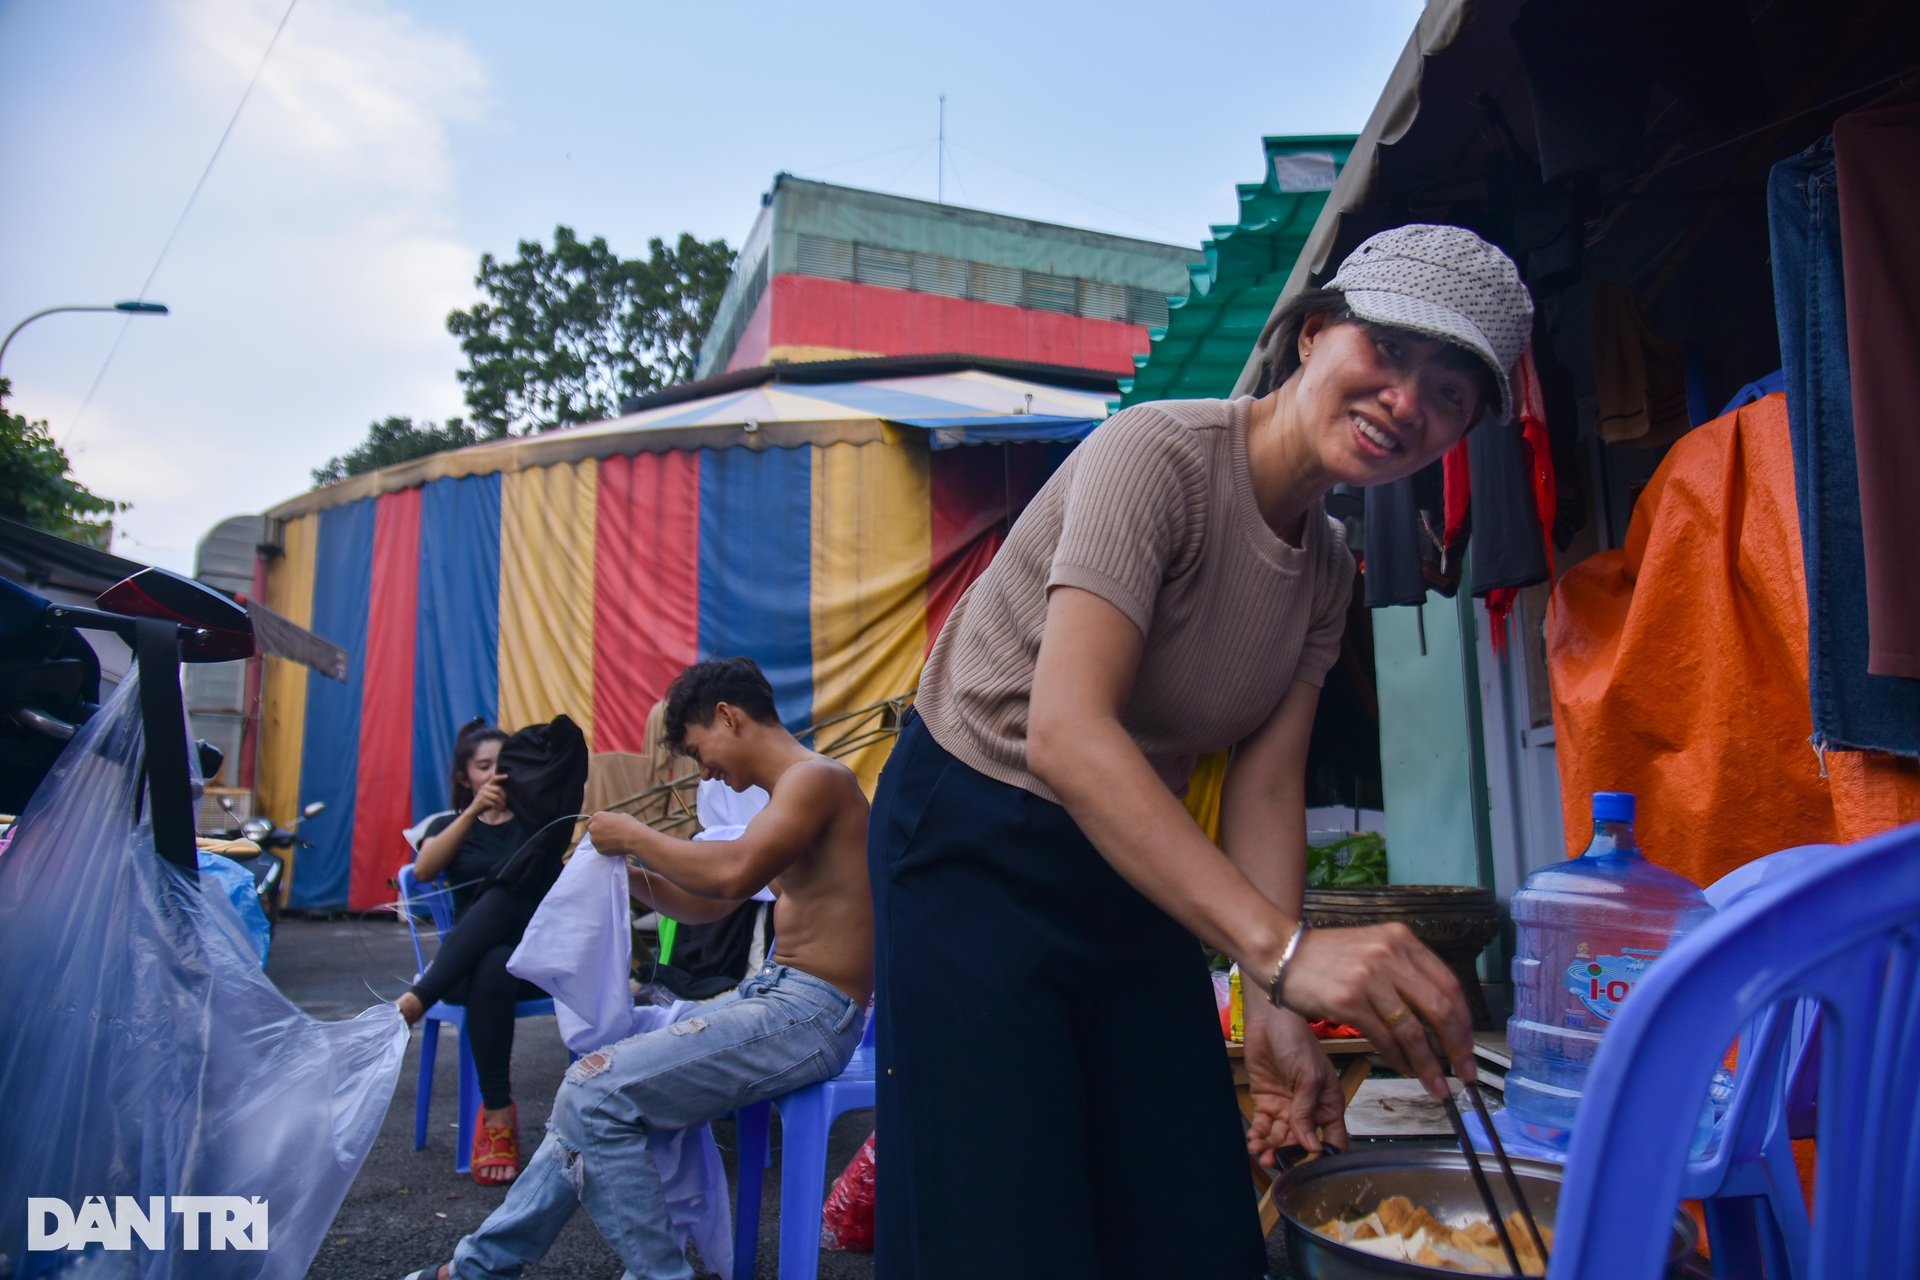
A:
<point x="1175" y="588"/>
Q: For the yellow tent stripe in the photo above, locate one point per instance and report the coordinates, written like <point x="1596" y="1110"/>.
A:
<point x="872" y="540"/>
<point x="546" y="595"/>
<point x="283" y="690"/>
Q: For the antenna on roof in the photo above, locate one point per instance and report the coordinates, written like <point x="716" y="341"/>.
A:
<point x="940" y="183"/>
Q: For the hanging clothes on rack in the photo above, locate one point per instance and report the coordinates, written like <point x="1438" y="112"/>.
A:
<point x="1639" y="377"/>
<point x="1494" y="490"/>
<point x="1876" y="153"/>
<point x="1852" y="708"/>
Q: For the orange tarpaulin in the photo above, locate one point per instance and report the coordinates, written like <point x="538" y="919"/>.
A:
<point x="1679" y="668"/>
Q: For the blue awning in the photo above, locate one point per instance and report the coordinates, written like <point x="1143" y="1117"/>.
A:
<point x="1029" y="428"/>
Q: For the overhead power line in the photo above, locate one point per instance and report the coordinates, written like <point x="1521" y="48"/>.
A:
<point x="182" y="219"/>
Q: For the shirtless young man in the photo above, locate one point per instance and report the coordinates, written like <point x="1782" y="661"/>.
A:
<point x="793" y="1023"/>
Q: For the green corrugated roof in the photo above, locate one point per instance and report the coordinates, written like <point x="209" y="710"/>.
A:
<point x="1209" y="332"/>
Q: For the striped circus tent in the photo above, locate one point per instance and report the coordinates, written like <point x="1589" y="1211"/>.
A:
<point x="820" y="519"/>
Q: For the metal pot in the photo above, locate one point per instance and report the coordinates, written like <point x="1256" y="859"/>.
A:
<point x="1438" y="1181"/>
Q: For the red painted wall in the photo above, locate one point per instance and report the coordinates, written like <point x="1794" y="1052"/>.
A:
<point x="751" y="350"/>
<point x="810" y="312"/>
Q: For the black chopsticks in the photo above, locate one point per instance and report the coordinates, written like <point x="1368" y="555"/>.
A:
<point x="1480" y="1181"/>
<point x="1506" y="1167"/>
<point x="1480" y="1177"/>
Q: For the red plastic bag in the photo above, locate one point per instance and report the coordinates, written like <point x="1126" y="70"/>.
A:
<point x="846" y="1222"/>
<point x="1325" y="1030"/>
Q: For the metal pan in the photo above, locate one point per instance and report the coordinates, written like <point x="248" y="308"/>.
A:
<point x="1349" y="1186"/>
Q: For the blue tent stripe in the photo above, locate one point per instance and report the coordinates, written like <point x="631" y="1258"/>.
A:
<point x="330" y="751"/>
<point x="884" y="401"/>
<point x="949" y="433"/>
<point x="756" y="567"/>
<point x="702" y="410"/>
<point x="457" y="635"/>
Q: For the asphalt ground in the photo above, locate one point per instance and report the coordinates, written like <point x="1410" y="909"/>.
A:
<point x="409" y="1208"/>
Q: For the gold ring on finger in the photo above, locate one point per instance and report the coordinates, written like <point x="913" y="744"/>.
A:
<point x="1397" y="1017"/>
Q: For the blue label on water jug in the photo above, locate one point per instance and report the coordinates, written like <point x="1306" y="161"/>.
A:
<point x="1601" y="983"/>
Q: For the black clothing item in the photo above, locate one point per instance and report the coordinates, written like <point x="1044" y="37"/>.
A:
<point x="546" y="780"/>
<point x="471" y="970"/>
<point x="500" y="873"/>
<point x="1392" y="541"/>
<point x="1019" y="977"/>
<point x="715" y="957"/>
<point x="1508" y="548"/>
<point x="1403" y="524"/>
<point x="486" y="849"/>
<point x="1590" y="65"/>
<point x="1404" y="521"/>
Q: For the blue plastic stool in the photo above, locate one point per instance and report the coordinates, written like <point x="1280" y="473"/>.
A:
<point x="806" y="1117"/>
<point x="438" y="902"/>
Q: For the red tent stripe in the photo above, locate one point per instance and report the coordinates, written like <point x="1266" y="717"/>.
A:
<point x="384" y="787"/>
<point x="646" y="615"/>
<point x="976" y="494"/>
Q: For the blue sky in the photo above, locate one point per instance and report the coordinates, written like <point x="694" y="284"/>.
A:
<point x="388" y="145"/>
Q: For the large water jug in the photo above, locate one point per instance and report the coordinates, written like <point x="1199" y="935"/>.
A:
<point x="1586" y="929"/>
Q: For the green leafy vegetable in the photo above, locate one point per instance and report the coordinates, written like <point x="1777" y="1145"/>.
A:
<point x="1359" y="859"/>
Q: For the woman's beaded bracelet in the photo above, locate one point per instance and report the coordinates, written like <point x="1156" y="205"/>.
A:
<point x="1286" y="958"/>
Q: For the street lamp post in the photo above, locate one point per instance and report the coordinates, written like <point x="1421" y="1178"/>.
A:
<point x="133" y="308"/>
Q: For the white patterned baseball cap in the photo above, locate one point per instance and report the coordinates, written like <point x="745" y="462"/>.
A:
<point x="1446" y="283"/>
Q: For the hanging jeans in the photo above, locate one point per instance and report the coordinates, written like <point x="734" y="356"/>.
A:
<point x="1851" y="709"/>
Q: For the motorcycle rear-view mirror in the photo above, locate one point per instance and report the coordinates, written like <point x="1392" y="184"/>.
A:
<point x="314" y="809"/>
<point x="222" y="629"/>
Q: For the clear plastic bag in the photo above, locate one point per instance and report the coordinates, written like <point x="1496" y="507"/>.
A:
<point x="143" y="1053"/>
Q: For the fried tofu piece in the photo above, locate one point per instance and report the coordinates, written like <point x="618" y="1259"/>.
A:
<point x="1397" y="1215"/>
<point x="1435" y="1229"/>
<point x="1530" y="1260"/>
<point x="1398" y="1228"/>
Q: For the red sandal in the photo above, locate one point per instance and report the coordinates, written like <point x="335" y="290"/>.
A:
<point x="496" y="1146"/>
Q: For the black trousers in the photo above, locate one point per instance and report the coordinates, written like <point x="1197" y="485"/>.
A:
<point x="1054" y="1095"/>
<point x="471" y="969"/>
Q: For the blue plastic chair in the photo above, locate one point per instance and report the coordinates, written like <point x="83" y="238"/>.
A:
<point x="1832" y="928"/>
<point x="1755" y="1209"/>
<point x="437" y="900"/>
<point x="806" y="1117"/>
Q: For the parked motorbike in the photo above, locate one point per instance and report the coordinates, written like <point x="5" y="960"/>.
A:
<point x="261" y="846"/>
<point x="50" y="684"/>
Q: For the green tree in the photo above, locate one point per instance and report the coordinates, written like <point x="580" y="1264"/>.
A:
<point x="564" y="333"/>
<point x="397" y="439"/>
<point x="37" y="486"/>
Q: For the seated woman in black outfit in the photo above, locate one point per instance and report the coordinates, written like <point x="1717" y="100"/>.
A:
<point x="471" y="967"/>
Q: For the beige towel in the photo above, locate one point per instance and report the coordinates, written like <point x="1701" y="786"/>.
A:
<point x="1638" y="376"/>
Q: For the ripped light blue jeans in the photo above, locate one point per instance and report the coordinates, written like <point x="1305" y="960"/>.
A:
<point x="780" y="1030"/>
